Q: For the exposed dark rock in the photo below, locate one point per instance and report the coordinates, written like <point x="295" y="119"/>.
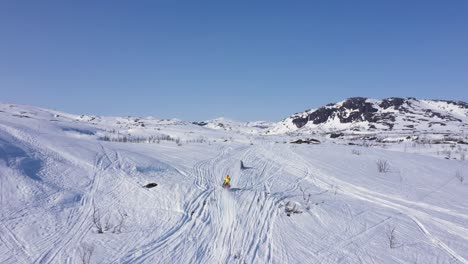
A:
<point x="430" y="113"/>
<point x="300" y="122"/>
<point x="360" y="109"/>
<point x="336" y="135"/>
<point x="150" y="185"/>
<point x="396" y="103"/>
<point x="321" y="115"/>
<point x="306" y="141"/>
<point x="200" y="123"/>
<point x="384" y="116"/>
<point x="22" y="116"/>
<point x="363" y="113"/>
<point x="436" y="123"/>
<point x="389" y="125"/>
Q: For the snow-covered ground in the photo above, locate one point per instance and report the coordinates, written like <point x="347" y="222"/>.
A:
<point x="62" y="176"/>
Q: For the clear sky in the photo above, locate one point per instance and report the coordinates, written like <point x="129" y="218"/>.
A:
<point x="246" y="60"/>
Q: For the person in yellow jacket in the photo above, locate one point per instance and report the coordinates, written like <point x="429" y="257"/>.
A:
<point x="227" y="181"/>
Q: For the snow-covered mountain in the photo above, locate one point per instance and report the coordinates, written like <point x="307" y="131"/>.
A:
<point x="392" y="115"/>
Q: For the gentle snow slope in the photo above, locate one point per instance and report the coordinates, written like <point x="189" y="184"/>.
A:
<point x="55" y="181"/>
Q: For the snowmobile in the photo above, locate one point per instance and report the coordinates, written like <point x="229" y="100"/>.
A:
<point x="226" y="185"/>
<point x="227" y="182"/>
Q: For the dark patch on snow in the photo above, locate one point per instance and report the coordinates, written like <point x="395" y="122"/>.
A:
<point x="395" y="102"/>
<point x="430" y="113"/>
<point x="200" y="123"/>
<point x="409" y="120"/>
<point x="22" y="116"/>
<point x="306" y="141"/>
<point x="389" y="125"/>
<point x="320" y="116"/>
<point x="336" y="135"/>
<point x="150" y="185"/>
<point x="79" y="131"/>
<point x="436" y="123"/>
<point x="300" y="121"/>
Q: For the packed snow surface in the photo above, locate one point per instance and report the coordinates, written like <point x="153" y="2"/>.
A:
<point x="62" y="176"/>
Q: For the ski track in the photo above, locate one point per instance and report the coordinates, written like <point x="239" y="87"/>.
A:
<point x="82" y="224"/>
<point x="214" y="214"/>
<point x="391" y="202"/>
<point x="219" y="226"/>
<point x="18" y="248"/>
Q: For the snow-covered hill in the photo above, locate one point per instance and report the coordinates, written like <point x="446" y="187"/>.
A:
<point x="72" y="190"/>
<point x="255" y="127"/>
<point x="392" y="115"/>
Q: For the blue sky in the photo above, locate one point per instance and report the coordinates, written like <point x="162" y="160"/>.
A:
<point x="246" y="60"/>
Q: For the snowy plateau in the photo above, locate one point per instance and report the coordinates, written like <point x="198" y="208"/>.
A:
<point x="358" y="181"/>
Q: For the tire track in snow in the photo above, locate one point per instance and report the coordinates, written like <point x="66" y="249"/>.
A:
<point x="389" y="202"/>
<point x="82" y="224"/>
<point x="34" y="148"/>
<point x="350" y="239"/>
<point x="19" y="252"/>
<point x="141" y="254"/>
<point x="215" y="232"/>
<point x="199" y="169"/>
<point x="196" y="205"/>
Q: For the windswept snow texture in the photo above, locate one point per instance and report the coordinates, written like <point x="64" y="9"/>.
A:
<point x="60" y="174"/>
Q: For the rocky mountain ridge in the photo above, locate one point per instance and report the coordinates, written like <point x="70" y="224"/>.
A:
<point x="364" y="115"/>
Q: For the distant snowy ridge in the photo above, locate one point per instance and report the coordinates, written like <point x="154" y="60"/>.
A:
<point x="255" y="127"/>
<point x="398" y="117"/>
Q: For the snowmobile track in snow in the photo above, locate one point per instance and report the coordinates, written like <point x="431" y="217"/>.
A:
<point x="397" y="204"/>
<point x="213" y="213"/>
<point x="82" y="224"/>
